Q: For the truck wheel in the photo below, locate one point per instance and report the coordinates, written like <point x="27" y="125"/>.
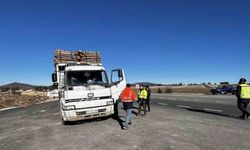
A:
<point x="65" y="122"/>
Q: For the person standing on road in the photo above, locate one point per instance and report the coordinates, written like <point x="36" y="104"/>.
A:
<point x="128" y="96"/>
<point x="243" y="97"/>
<point x="143" y="96"/>
<point x="139" y="99"/>
<point x="148" y="101"/>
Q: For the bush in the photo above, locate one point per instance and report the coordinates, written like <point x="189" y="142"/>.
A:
<point x="5" y="89"/>
<point x="15" y="90"/>
<point x="169" y="90"/>
<point x="159" y="91"/>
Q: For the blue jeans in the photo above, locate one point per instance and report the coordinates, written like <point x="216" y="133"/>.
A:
<point x="128" y="117"/>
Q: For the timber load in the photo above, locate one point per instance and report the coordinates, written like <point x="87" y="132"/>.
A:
<point x="82" y="57"/>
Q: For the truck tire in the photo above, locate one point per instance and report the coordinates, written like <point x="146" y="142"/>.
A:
<point x="65" y="122"/>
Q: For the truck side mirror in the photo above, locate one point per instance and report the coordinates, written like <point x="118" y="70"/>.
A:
<point x="54" y="77"/>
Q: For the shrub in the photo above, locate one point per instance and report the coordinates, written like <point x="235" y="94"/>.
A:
<point x="159" y="91"/>
<point x="5" y="89"/>
<point x="169" y="90"/>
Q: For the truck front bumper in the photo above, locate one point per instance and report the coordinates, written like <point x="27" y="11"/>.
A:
<point x="87" y="113"/>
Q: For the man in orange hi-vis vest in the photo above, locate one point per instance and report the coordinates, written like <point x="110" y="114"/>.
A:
<point x="128" y="96"/>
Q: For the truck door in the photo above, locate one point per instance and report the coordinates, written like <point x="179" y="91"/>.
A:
<point x="118" y="83"/>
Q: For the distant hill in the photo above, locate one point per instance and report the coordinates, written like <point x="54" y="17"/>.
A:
<point x="21" y="86"/>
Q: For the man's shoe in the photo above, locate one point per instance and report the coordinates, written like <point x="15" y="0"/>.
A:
<point x="130" y="123"/>
<point x="242" y="117"/>
<point x="139" y="115"/>
<point x="125" y="128"/>
<point x="247" y="116"/>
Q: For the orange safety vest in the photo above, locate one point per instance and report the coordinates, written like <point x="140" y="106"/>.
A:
<point x="128" y="95"/>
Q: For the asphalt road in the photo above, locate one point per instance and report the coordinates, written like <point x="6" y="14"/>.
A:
<point x="224" y="105"/>
<point x="175" y="122"/>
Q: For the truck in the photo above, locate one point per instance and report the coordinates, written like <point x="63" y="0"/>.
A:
<point x="84" y="89"/>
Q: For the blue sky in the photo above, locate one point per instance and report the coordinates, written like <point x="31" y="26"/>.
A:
<point x="163" y="41"/>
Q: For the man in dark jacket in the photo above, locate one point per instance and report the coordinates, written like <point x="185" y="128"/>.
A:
<point x="148" y="98"/>
<point x="243" y="97"/>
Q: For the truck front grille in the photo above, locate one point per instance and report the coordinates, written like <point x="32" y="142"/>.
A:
<point x="102" y="110"/>
<point x="86" y="99"/>
<point x="81" y="113"/>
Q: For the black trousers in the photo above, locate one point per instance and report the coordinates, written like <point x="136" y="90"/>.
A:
<point x="116" y="109"/>
<point x="242" y="105"/>
<point x="148" y="104"/>
<point x="142" y="106"/>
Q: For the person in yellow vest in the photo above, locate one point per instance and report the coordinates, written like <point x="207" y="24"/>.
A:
<point x="243" y="97"/>
<point x="143" y="97"/>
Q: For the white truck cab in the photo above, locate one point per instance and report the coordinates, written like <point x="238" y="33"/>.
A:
<point x="85" y="91"/>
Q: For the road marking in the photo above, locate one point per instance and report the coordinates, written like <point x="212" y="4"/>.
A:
<point x="49" y="100"/>
<point x="57" y="113"/>
<point x="10" y="108"/>
<point x="43" y="111"/>
<point x="162" y="104"/>
<point x="18" y="141"/>
<point x="171" y="98"/>
<point x="184" y="99"/>
<point x="183" y="106"/>
<point x="221" y="102"/>
<point x="161" y="97"/>
<point x="215" y="110"/>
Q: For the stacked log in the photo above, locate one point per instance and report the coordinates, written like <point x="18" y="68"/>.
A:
<point x="65" y="56"/>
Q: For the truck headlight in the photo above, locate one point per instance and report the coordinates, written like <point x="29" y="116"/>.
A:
<point x="70" y="107"/>
<point x="110" y="103"/>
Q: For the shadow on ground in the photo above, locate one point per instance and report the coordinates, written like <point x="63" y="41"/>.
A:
<point x="87" y="121"/>
<point x="213" y="113"/>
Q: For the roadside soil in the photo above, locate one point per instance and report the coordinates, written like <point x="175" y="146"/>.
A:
<point x="12" y="100"/>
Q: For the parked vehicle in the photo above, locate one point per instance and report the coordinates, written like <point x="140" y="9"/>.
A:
<point x="84" y="89"/>
<point x="224" y="90"/>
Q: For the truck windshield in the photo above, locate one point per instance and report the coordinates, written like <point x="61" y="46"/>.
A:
<point x="83" y="78"/>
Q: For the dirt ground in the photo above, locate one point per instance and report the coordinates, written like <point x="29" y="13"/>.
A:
<point x="19" y="99"/>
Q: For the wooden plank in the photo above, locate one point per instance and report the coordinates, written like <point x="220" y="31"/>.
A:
<point x="66" y="56"/>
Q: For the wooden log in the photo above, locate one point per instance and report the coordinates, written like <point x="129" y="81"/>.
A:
<point x="64" y="56"/>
